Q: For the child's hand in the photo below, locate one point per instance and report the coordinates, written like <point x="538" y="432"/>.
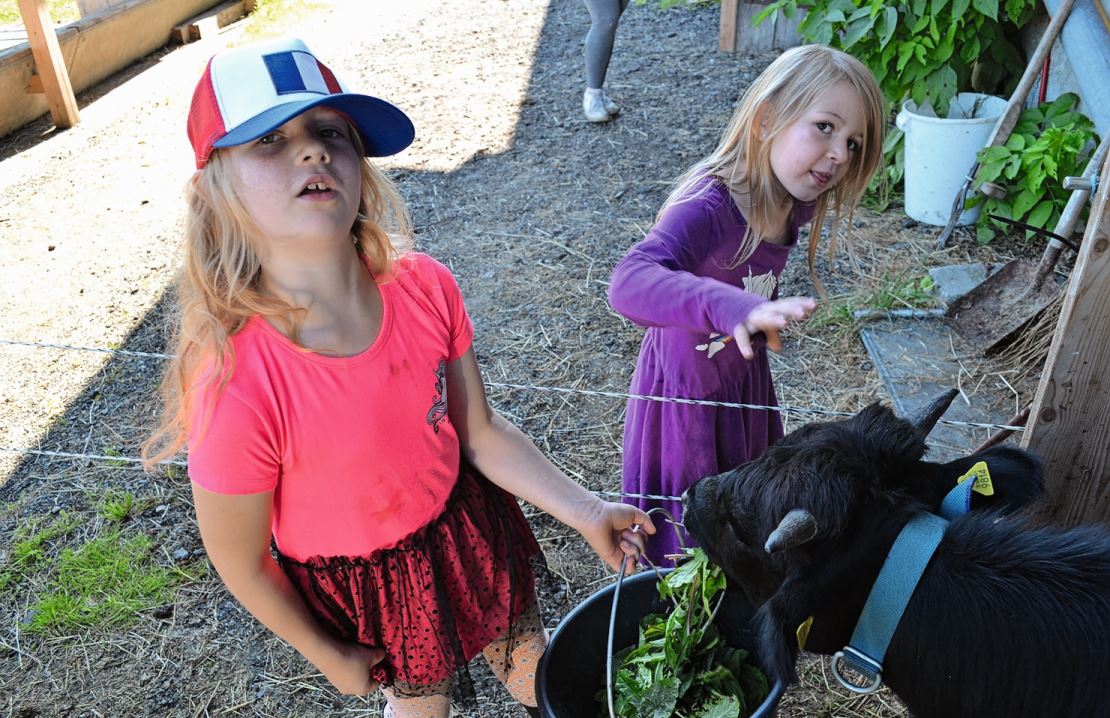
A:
<point x="609" y="531"/>
<point x="769" y="318"/>
<point x="349" y="672"/>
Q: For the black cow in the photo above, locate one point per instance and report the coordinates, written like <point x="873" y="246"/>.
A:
<point x="1009" y="619"/>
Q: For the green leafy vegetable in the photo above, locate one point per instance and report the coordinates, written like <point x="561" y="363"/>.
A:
<point x="1048" y="143"/>
<point x="680" y="665"/>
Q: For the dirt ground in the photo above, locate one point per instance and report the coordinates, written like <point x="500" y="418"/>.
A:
<point x="530" y="206"/>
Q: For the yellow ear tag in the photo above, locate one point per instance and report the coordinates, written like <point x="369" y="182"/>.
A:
<point x="803" y="632"/>
<point x="982" y="476"/>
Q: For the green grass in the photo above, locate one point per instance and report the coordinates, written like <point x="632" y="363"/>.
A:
<point x="115" y="505"/>
<point x="107" y="582"/>
<point x="30" y="544"/>
<point x="29" y="547"/>
<point x="61" y="12"/>
<point x="114" y="451"/>
<point x="891" y="292"/>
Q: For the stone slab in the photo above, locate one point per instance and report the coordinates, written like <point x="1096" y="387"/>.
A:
<point x="915" y="360"/>
<point x="955" y="280"/>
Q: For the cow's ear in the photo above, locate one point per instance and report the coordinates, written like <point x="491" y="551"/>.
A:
<point x="892" y="442"/>
<point x="777" y="621"/>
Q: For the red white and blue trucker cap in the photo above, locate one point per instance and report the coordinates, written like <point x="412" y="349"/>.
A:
<point x="248" y="91"/>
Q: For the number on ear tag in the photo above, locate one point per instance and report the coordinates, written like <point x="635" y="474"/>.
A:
<point x="982" y="476"/>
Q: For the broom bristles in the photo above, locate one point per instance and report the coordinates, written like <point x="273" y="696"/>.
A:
<point x="1028" y="351"/>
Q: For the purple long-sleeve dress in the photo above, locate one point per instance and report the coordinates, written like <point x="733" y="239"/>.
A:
<point x="678" y="283"/>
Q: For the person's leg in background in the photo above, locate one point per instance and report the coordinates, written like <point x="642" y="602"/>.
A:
<point x="597" y="106"/>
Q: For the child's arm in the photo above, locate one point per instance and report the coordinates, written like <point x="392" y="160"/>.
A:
<point x="509" y="459"/>
<point x="658" y="281"/>
<point x="655" y="284"/>
<point x="236" y="533"/>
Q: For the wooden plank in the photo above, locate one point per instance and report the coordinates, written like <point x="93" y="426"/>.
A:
<point x="208" y="24"/>
<point x="49" y="63"/>
<point x="754" y="40"/>
<point x="738" y="34"/>
<point x="1071" y="409"/>
<point x="786" y="30"/>
<point x="730" y="10"/>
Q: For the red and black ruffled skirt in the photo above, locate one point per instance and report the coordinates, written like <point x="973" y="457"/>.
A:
<point x="439" y="596"/>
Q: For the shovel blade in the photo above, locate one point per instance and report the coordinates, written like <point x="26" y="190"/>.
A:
<point x="989" y="315"/>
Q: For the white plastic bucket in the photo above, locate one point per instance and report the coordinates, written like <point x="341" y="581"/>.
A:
<point x="940" y="152"/>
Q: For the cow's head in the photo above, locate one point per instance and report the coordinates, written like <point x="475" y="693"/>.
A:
<point x="768" y="520"/>
<point x="805" y="488"/>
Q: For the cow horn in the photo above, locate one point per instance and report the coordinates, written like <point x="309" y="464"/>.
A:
<point x="928" y="417"/>
<point x="796" y="528"/>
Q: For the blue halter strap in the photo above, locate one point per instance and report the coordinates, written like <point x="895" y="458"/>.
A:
<point x="899" y="576"/>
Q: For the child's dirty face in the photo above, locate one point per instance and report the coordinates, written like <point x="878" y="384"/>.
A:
<point x="813" y="153"/>
<point x="301" y="181"/>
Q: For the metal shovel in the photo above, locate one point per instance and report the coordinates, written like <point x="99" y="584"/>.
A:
<point x="992" y="312"/>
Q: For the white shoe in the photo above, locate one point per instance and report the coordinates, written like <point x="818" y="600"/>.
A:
<point x="610" y="106"/>
<point x="593" y="106"/>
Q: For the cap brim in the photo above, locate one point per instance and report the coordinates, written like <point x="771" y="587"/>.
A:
<point x="384" y="128"/>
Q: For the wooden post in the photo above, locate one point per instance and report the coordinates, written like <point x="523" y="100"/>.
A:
<point x="1070" y="418"/>
<point x="49" y="63"/>
<point x="730" y="13"/>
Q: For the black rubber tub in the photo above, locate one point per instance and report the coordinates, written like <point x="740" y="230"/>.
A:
<point x="572" y="670"/>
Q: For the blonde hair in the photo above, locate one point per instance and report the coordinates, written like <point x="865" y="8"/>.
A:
<point x="779" y="96"/>
<point x="218" y="287"/>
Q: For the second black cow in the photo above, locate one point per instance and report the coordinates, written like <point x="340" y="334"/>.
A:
<point x="1008" y="620"/>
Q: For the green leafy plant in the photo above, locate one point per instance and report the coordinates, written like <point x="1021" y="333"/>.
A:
<point x="883" y="189"/>
<point x="1049" y="142"/>
<point x="925" y="50"/>
<point x="680" y="665"/>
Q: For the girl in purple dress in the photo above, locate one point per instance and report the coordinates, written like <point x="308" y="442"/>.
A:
<point x="805" y="138"/>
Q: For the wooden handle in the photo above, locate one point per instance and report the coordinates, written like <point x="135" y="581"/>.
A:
<point x="1009" y="118"/>
<point x="1066" y="224"/>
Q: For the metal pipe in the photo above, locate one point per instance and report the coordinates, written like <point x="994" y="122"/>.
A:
<point x="1066" y="224"/>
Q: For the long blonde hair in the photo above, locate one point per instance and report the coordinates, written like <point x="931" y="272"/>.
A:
<point x="781" y="94"/>
<point x="218" y="286"/>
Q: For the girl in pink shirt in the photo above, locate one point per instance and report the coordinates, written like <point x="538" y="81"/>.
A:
<point x="326" y="387"/>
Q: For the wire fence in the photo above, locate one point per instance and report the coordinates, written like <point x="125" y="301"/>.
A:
<point x="136" y="461"/>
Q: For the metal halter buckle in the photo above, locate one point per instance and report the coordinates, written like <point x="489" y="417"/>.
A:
<point x="861" y="664"/>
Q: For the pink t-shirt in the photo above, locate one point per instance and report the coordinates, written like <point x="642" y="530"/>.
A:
<point x="358" y="450"/>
